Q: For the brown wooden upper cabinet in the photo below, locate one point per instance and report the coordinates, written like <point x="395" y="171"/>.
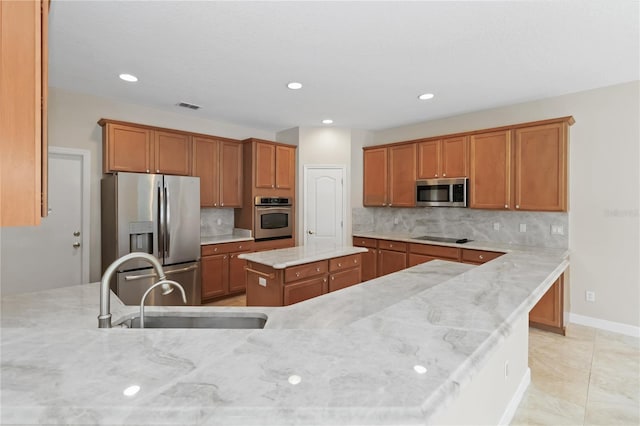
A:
<point x="390" y="176"/>
<point x="274" y="168"/>
<point x="520" y="169"/>
<point x="490" y="171"/>
<point x="443" y="158"/>
<point x="172" y="153"/>
<point x="218" y="163"/>
<point x="541" y="167"/>
<point x="23" y="106"/>
<point x="127" y="147"/>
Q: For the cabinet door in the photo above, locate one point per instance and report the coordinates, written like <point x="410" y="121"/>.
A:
<point x="429" y="159"/>
<point x="375" y="177"/>
<point x="237" y="273"/>
<point x="285" y="168"/>
<point x="215" y="276"/>
<point x="369" y="264"/>
<point x="205" y="166"/>
<point x="303" y="290"/>
<point x="478" y="257"/>
<point x="172" y="153"/>
<point x="265" y="157"/>
<point x="391" y="261"/>
<point x="490" y="171"/>
<point x="402" y="176"/>
<point x="230" y="166"/>
<point x="23" y="123"/>
<point x="344" y="279"/>
<point x="541" y="168"/>
<point x="455" y="158"/>
<point x="417" y="259"/>
<point x="548" y="313"/>
<point x="128" y="149"/>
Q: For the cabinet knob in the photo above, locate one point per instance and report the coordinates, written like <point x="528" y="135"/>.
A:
<point x="390" y="245"/>
<point x="444" y="175"/>
<point x="224" y="257"/>
<point x="517" y="206"/>
<point x="324" y="280"/>
<point x="390" y="204"/>
<point x="215" y="204"/>
<point x="481" y="257"/>
<point x="506" y="206"/>
<point x="339" y="265"/>
<point x="297" y="274"/>
<point x="272" y="186"/>
<point x="240" y="247"/>
<point x="215" y="249"/>
<point x="317" y="269"/>
<point x="332" y="278"/>
<point x="384" y="204"/>
<point x="221" y="204"/>
<point x="436" y="175"/>
<point x="355" y="260"/>
<point x="157" y="170"/>
<point x="232" y="256"/>
<point x="277" y="186"/>
<point x="147" y="170"/>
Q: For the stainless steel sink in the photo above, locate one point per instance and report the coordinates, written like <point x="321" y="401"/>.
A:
<point x="191" y="321"/>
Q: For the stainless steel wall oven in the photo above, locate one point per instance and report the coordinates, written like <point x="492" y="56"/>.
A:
<point x="273" y="218"/>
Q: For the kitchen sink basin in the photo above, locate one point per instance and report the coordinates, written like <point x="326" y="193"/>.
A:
<point x="190" y="321"/>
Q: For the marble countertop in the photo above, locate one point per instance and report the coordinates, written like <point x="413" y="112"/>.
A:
<point x="343" y="358"/>
<point x="235" y="237"/>
<point x="284" y="258"/>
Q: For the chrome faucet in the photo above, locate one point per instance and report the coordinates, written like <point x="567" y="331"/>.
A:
<point x="104" y="319"/>
<point x="165" y="284"/>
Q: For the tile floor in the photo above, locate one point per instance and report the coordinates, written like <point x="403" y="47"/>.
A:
<point x="588" y="377"/>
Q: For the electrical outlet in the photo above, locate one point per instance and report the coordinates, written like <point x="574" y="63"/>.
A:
<point x="506" y="369"/>
<point x="396" y="220"/>
<point x="523" y="227"/>
<point x="496" y="226"/>
<point x="557" y="230"/>
<point x="590" y="296"/>
<point x="219" y="221"/>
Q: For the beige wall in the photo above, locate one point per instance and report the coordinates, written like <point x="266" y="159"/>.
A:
<point x="73" y="121"/>
<point x="604" y="189"/>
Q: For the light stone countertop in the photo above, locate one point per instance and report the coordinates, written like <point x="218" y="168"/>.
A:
<point x="219" y="239"/>
<point x="284" y="258"/>
<point x="353" y="349"/>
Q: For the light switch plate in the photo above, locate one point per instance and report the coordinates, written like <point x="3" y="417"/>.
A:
<point x="496" y="226"/>
<point x="523" y="227"/>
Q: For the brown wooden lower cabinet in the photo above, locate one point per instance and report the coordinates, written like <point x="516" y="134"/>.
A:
<point x="369" y="258"/>
<point x="222" y="273"/>
<point x="548" y="313"/>
<point x="267" y="286"/>
<point x="417" y="259"/>
<point x="391" y="261"/>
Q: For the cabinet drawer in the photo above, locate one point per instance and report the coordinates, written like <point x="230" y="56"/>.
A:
<point x="303" y="290"/>
<point x="479" y="256"/>
<point x="365" y="242"/>
<point x="343" y="279"/>
<point x="300" y="272"/>
<point x="443" y="252"/>
<point x="211" y="249"/>
<point x="392" y="245"/>
<point x="344" y="262"/>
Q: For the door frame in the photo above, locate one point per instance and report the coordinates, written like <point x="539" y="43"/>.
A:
<point x="305" y="178"/>
<point x="85" y="158"/>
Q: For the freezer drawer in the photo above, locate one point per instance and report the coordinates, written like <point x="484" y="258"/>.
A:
<point x="131" y="285"/>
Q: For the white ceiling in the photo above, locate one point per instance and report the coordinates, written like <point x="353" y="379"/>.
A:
<point x="363" y="64"/>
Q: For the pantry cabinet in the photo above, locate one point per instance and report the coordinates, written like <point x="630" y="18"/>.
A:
<point x="23" y="112"/>
<point x="390" y="176"/>
<point x="218" y="163"/>
<point x="443" y="158"/>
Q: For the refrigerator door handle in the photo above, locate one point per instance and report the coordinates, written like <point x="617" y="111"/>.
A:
<point x="160" y="223"/>
<point x="167" y="222"/>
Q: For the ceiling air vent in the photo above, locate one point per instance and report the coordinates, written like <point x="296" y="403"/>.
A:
<point x="188" y="105"/>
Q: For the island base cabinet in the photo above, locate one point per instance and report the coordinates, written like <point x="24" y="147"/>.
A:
<point x="548" y="313"/>
<point x="305" y="289"/>
<point x="264" y="285"/>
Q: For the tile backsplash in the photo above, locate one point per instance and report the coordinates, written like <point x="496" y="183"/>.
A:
<point x="466" y="223"/>
<point x="215" y="222"/>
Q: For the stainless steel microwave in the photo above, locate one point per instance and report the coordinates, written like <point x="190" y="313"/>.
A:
<point x="442" y="192"/>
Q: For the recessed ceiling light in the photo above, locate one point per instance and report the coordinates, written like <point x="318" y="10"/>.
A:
<point x="425" y="96"/>
<point x="294" y="85"/>
<point x="327" y="121"/>
<point x="128" y="77"/>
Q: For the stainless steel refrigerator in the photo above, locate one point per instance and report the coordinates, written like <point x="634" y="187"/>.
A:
<point x="155" y="214"/>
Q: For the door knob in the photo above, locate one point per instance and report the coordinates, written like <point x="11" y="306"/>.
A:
<point x="76" y="234"/>
<point x="76" y="244"/>
<point x="310" y="232"/>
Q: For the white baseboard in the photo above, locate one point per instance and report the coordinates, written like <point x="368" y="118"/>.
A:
<point x="510" y="411"/>
<point x="616" y="327"/>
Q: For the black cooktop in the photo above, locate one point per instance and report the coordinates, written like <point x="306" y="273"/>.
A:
<point x="443" y="239"/>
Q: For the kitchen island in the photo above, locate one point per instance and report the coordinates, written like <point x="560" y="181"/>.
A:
<point x="406" y="348"/>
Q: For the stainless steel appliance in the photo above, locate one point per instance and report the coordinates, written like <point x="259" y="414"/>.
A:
<point x="442" y="192"/>
<point x="273" y="217"/>
<point x="155" y="214"/>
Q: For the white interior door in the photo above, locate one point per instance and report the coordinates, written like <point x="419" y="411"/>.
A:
<point x="56" y="253"/>
<point x="324" y="204"/>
